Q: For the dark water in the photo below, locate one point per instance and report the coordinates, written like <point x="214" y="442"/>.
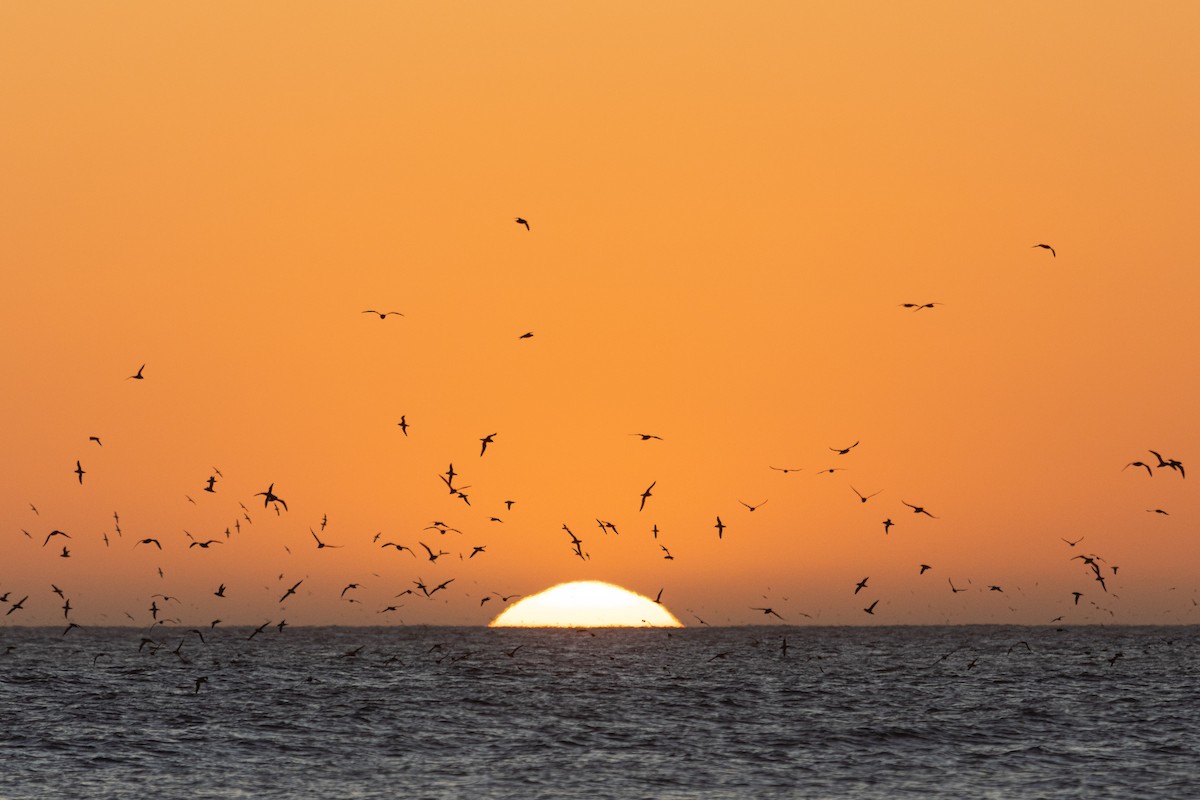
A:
<point x="950" y="712"/>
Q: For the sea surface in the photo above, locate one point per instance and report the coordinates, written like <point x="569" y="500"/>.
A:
<point x="427" y="712"/>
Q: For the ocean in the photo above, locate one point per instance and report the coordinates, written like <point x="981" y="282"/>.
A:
<point x="429" y="712"/>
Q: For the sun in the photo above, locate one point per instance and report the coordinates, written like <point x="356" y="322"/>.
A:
<point x="586" y="604"/>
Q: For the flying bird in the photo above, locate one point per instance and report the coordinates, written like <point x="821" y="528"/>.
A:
<point x="766" y="611"/>
<point x="645" y="437"/>
<point x="212" y="480"/>
<point x="887" y="523"/>
<point x="96" y="439"/>
<point x="1149" y="471"/>
<point x="645" y="495"/>
<point x="403" y="423"/>
<point x="383" y="314"/>
<point x="754" y="507"/>
<point x="720" y="526"/>
<point x="841" y="451"/>
<point x="288" y="594"/>
<point x="52" y="534"/>
<point x="521" y="221"/>
<point x="1047" y="247"/>
<point x="486" y="441"/>
<point x="269" y="496"/>
<point x="321" y="545"/>
<point x="918" y="509"/>
<point x="924" y="568"/>
<point x="79" y="471"/>
<point x="154" y="542"/>
<point x="137" y="376"/>
<point x="785" y="470"/>
<point x="864" y="497"/>
<point x="861" y="584"/>
<point x="871" y="608"/>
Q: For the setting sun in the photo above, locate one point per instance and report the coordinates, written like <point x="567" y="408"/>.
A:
<point x="592" y="604"/>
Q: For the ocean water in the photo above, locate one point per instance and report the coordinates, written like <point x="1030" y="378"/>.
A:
<point x="426" y="712"/>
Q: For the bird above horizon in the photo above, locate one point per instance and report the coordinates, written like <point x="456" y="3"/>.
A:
<point x="841" y="451"/>
<point x="645" y="495"/>
<point x="137" y="376"/>
<point x="1047" y="247"/>
<point x="486" y="441"/>
<point x="645" y="437"/>
<point x="383" y="314"/>
<point x="753" y="507"/>
<point x="918" y="509"/>
<point x="79" y="472"/>
<point x="521" y="221"/>
<point x="864" y="497"/>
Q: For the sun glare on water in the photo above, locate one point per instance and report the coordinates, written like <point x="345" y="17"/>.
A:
<point x="586" y="604"/>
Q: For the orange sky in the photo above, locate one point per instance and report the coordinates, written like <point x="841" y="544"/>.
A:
<point x="728" y="206"/>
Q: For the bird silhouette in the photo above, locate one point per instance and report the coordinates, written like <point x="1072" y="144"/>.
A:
<point x="871" y="608"/>
<point x="720" y="526"/>
<point x="918" y="509"/>
<point x="753" y="507"/>
<point x="289" y="593"/>
<point x="521" y="221"/>
<point x="137" y="376"/>
<point x="864" y="497"/>
<point x="383" y="314"/>
<point x="79" y="472"/>
<point x="645" y="495"/>
<point x="766" y="611"/>
<point x="841" y="451"/>
<point x="486" y="441"/>
<point x="1047" y="247"/>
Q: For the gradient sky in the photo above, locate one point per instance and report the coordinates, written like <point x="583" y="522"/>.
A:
<point x="728" y="206"/>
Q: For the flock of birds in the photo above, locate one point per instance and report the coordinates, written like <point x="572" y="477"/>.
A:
<point x="158" y="611"/>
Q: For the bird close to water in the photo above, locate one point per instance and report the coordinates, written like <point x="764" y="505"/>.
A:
<point x="871" y="608"/>
<point x="383" y="314"/>
<point x="521" y="221"/>
<point x="766" y="611"/>
<point x="1048" y="247"/>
